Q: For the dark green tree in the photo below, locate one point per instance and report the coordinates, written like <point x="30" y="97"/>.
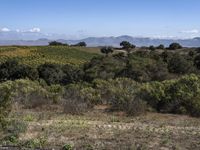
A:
<point x="175" y="46"/>
<point x="55" y="43"/>
<point x="161" y="46"/>
<point x="12" y="70"/>
<point x="106" y="50"/>
<point x="178" y="64"/>
<point x="72" y="74"/>
<point x="51" y="73"/>
<point x="81" y="44"/>
<point x="127" y="46"/>
<point x="152" y="48"/>
<point x="197" y="61"/>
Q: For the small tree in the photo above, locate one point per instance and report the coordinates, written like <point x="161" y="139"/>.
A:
<point x="82" y="44"/>
<point x="175" y="46"/>
<point x="161" y="46"/>
<point x="106" y="50"/>
<point x="197" y="50"/>
<point x="197" y="61"/>
<point x="152" y="48"/>
<point x="166" y="56"/>
<point x="12" y="70"/>
<point x="51" y="73"/>
<point x="178" y="64"/>
<point x="127" y="46"/>
<point x="55" y="43"/>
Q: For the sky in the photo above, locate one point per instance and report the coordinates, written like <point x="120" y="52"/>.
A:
<point x="84" y="18"/>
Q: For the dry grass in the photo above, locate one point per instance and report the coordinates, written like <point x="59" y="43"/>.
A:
<point x="101" y="130"/>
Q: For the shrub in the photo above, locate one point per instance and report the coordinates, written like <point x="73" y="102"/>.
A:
<point x="166" y="56"/>
<point x="67" y="147"/>
<point x="5" y="102"/>
<point x="106" y="50"/>
<point x="51" y="73"/>
<point x="121" y="94"/>
<point x="55" y="43"/>
<point x="174" y="46"/>
<point x="137" y="107"/>
<point x="57" y="92"/>
<point x="127" y="46"/>
<point x="197" y="61"/>
<point x="81" y="44"/>
<point x="12" y="70"/>
<point x="28" y="94"/>
<point x="14" y="128"/>
<point x="161" y="46"/>
<point x="178" y="64"/>
<point x="191" y="53"/>
<point x="152" y="48"/>
<point x="72" y="74"/>
<point x="79" y="99"/>
<point x="103" y="68"/>
<point x="174" y="96"/>
<point x="144" y="69"/>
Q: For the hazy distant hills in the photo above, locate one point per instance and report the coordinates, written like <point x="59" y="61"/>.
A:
<point x="100" y="41"/>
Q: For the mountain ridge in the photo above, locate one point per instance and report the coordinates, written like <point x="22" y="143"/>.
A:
<point x="111" y="41"/>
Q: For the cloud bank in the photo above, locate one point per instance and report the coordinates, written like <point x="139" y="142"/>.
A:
<point x="5" y="30"/>
<point x="35" y="30"/>
<point x="193" y="31"/>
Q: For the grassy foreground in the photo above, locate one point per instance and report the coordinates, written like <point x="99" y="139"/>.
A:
<point x="102" y="130"/>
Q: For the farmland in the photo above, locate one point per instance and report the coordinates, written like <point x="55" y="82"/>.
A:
<point x="35" y="56"/>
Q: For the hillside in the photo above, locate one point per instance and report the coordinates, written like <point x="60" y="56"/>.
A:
<point x="39" y="55"/>
<point x="68" y="98"/>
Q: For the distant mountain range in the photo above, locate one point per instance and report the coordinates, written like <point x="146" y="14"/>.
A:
<point x="102" y="41"/>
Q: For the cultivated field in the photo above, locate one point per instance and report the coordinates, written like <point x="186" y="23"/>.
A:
<point x="35" y="56"/>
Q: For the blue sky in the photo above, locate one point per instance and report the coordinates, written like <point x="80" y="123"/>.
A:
<point x="82" y="18"/>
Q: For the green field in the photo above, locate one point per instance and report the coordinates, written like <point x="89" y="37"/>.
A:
<point x="35" y="56"/>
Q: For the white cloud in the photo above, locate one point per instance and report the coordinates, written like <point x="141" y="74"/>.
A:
<point x="17" y="30"/>
<point x="194" y="31"/>
<point x="35" y="30"/>
<point x="5" y="30"/>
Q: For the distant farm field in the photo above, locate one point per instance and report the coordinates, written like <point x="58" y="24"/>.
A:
<point x="35" y="56"/>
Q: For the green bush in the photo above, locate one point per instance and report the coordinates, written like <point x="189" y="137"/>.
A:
<point x="161" y="46"/>
<point x="144" y="69"/>
<point x="197" y="61"/>
<point x="12" y="70"/>
<point x="180" y="65"/>
<point x="12" y="130"/>
<point x="106" y="50"/>
<point x="72" y="74"/>
<point x="51" y="73"/>
<point x="55" y="43"/>
<point x="174" y="96"/>
<point x="103" y="68"/>
<point x="166" y="56"/>
<point x="28" y="94"/>
<point x="5" y="102"/>
<point x="67" y="147"/>
<point x="79" y="98"/>
<point x="174" y="46"/>
<point x="121" y="94"/>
